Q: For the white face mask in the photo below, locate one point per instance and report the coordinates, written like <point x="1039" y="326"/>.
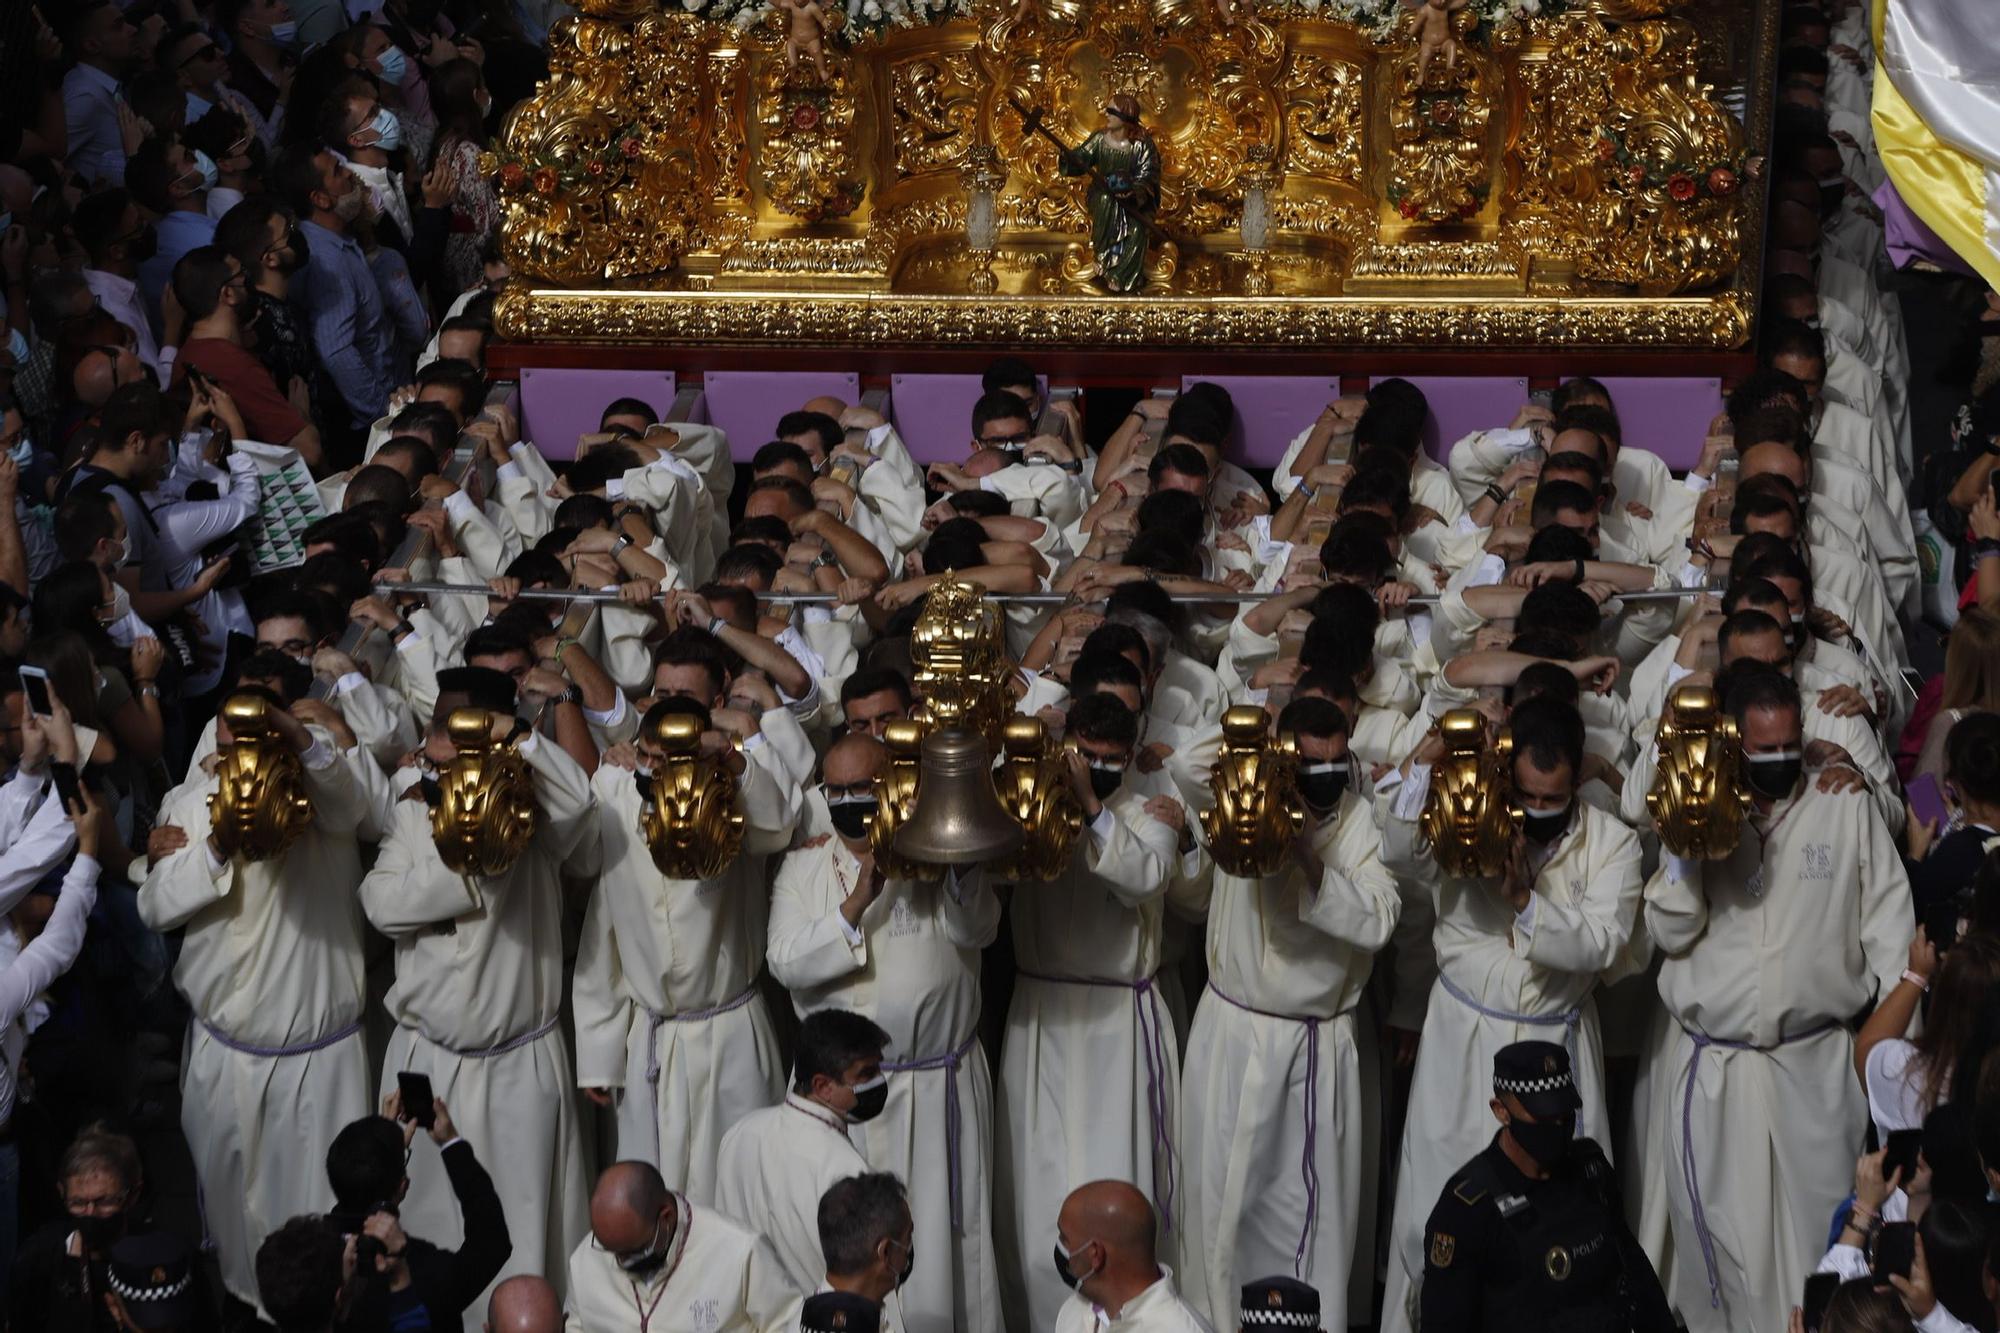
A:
<point x="121" y="602"/>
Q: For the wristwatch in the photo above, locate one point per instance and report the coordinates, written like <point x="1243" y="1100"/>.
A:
<point x="618" y="547"/>
<point x="572" y="695"/>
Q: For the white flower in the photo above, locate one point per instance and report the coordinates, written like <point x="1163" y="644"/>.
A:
<point x="1527" y="8"/>
<point x="871" y="10"/>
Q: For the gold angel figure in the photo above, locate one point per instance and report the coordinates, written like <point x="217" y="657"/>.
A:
<point x="1430" y="22"/>
<point x="809" y="23"/>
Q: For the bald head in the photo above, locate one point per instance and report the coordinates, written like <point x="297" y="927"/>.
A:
<point x="854" y="758"/>
<point x="832" y="407"/>
<point x="1774" y="456"/>
<point x="1579" y="441"/>
<point x="626" y="1206"/>
<point x="985" y="462"/>
<point x="524" y="1304"/>
<point x="1115" y="1215"/>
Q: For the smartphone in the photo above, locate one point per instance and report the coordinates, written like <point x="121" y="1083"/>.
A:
<point x="1543" y="398"/>
<point x="1993" y="480"/>
<point x="1941" y="922"/>
<point x="1819" y="1290"/>
<point x="68" y="788"/>
<point x="1895" y="1249"/>
<point x="36" y="682"/>
<point x="418" y="1107"/>
<point x="1927" y="800"/>
<point x="1900" y="1154"/>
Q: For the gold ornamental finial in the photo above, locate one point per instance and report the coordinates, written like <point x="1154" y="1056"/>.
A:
<point x="1257" y="810"/>
<point x="259" y="806"/>
<point x="691" y="818"/>
<point x="1698" y="797"/>
<point x="487" y="812"/>
<point x="1470" y="817"/>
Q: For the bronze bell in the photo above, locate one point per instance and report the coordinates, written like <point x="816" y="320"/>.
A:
<point x="958" y="819"/>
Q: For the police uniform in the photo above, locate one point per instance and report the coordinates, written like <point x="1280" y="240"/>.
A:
<point x="1278" y="1303"/>
<point x="1505" y="1251"/>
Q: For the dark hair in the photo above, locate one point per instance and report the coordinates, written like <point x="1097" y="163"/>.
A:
<point x="1341" y="636"/>
<point x="856" y="1214"/>
<point x="1549" y="732"/>
<point x="1741" y="623"/>
<point x="66" y="600"/>
<point x="956" y="543"/>
<point x="1160" y="552"/>
<point x="999" y="405"/>
<point x="1564" y="400"/>
<point x="580" y="512"/>
<point x="1119" y="640"/>
<point x="1357" y="547"/>
<point x="461" y="377"/>
<point x="82" y="521"/>
<point x="345" y="579"/>
<point x="245" y="230"/>
<point x="628" y="407"/>
<point x="378" y="483"/>
<point x="1592" y="419"/>
<point x="353" y="539"/>
<point x="602" y="465"/>
<point x="1179" y="513"/>
<point x="138" y="408"/>
<point x="979" y="504"/>
<point x="1954" y="1236"/>
<point x="1791" y="337"/>
<point x="797" y="493"/>
<point x="1553" y="497"/>
<point x="1371" y="485"/>
<point x="454" y="88"/>
<point x="299" y="1274"/>
<point x="1764" y="496"/>
<point x="1572" y="460"/>
<point x="1949" y="1149"/>
<point x="432" y="422"/>
<point x="693" y="646"/>
<point x="1198" y="420"/>
<point x="1320" y="718"/>
<point x="415" y="451"/>
<point x="1323" y="680"/>
<point x="482" y="686"/>
<point x="294" y="175"/>
<point x="364" y="1164"/>
<point x="1148" y="598"/>
<point x="150" y="177"/>
<point x="1102" y="717"/>
<point x="1763" y="555"/>
<point x="1182" y="458"/>
<point x="874" y="680"/>
<point x="1008" y="372"/>
<point x="1760" y="389"/>
<point x="766" y="529"/>
<point x="827" y="428"/>
<point x="1390" y="425"/>
<point x="1556" y="544"/>
<point x="1972" y="755"/>
<point x="1753" y="592"/>
<point x="97" y="217"/>
<point x="829" y="1041"/>
<point x="498" y="639"/>
<point x="1773" y="425"/>
<point x="1092" y="671"/>
<point x="1545" y="680"/>
<point x="1755" y="685"/>
<point x="779" y="453"/>
<point x="748" y="560"/>
<point x="294" y="679"/>
<point x="1561" y="608"/>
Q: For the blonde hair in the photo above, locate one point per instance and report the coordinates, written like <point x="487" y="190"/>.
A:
<point x="1972" y="662"/>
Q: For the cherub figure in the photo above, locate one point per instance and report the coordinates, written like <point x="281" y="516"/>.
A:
<point x="1430" y="22"/>
<point x="807" y="34"/>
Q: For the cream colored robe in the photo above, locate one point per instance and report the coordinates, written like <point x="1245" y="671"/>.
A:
<point x="719" y="1277"/>
<point x="665" y="986"/>
<point x="477" y="1002"/>
<point x="271" y="964"/>
<point x="1274" y="1050"/>
<point x="1158" y="1309"/>
<point x="1089" y="1073"/>
<point x="1543" y="962"/>
<point x="912" y="969"/>
<point x="773" y="1167"/>
<point x="1777" y="947"/>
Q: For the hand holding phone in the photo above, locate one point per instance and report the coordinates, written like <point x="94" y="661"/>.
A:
<point x="1895" y="1249"/>
<point x="1819" y="1290"/>
<point x="35" y="682"/>
<point x="1927" y="800"/>
<point x="417" y="1099"/>
<point x="69" y="788"/>
<point x="1899" y="1153"/>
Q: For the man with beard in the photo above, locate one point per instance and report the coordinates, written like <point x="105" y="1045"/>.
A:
<point x="214" y="291"/>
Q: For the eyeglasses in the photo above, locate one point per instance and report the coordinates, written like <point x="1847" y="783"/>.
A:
<point x="1005" y="441"/>
<point x="209" y="52"/>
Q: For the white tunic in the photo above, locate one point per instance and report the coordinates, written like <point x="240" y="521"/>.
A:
<point x="1272" y="1103"/>
<point x="913" y="969"/>
<point x="1090" y="1069"/>
<point x="1532" y="973"/>
<point x="1767" y="955"/>
<point x="719" y="1277"/>
<point x="1157" y="1309"/>
<point x="271" y="964"/>
<point x="477" y="1000"/>
<point x="665" y="989"/>
<point x="774" y="1166"/>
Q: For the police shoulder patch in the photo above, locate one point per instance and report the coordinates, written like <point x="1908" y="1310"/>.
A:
<point x="1443" y="1247"/>
<point x="1467" y="1191"/>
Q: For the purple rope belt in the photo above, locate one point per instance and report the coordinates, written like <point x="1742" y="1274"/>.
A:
<point x="1690" y="1176"/>
<point x="279" y="1052"/>
<point x="511" y="1044"/>
<point x="1153" y="1043"/>
<point x="952" y="1125"/>
<point x="656" y="1021"/>
<point x="1308" y="1167"/>
<point x="1569" y="1018"/>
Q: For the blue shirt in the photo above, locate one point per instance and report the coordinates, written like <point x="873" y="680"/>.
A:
<point x="338" y="295"/>
<point x="179" y="231"/>
<point x="90" y="112"/>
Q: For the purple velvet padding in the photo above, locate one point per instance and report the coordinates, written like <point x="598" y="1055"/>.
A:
<point x="559" y="405"/>
<point x="1461" y="404"/>
<point x="1270" y="410"/>
<point x="746" y="404"/>
<point x="1668" y="417"/>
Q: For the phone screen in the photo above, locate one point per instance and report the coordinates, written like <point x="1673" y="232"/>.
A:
<point x="1926" y="800"/>
<point x="1895" y="1249"/>
<point x="36" y="682"/>
<point x="416" y="1090"/>
<point x="1900" y="1153"/>
<point x="68" y="787"/>
<point x="1819" y="1290"/>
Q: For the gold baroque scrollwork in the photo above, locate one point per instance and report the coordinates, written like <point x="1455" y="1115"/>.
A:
<point x="936" y="103"/>
<point x="1325" y="108"/>
<point x="1439" y="169"/>
<point x="806" y="160"/>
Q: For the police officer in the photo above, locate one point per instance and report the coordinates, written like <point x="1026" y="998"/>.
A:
<point x="1529" y="1235"/>
<point x="1280" y="1303"/>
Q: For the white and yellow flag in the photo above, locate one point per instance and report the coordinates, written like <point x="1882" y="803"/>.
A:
<point x="1937" y="118"/>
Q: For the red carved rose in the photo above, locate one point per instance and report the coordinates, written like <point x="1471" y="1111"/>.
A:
<point x="1408" y="208"/>
<point x="630" y="148"/>
<point x="595" y="166"/>
<point x="1636" y="174"/>
<point x="512" y="175"/>
<point x="545" y="180"/>
<point x="805" y="116"/>
<point x="1606" y="150"/>
<point x="1722" y="181"/>
<point x="1680" y="186"/>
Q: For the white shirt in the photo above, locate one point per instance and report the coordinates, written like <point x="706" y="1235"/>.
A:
<point x="120" y="299"/>
<point x="38" y="965"/>
<point x="1157" y="1309"/>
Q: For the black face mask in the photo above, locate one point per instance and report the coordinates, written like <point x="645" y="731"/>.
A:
<point x="1063" y="1270"/>
<point x="1773" y="775"/>
<point x="909" y="1262"/>
<point x="1105" y="780"/>
<point x="1544" y="826"/>
<point x="1322" y="785"/>
<point x="299" y="249"/>
<point x="869" y="1099"/>
<point x="1546" y="1141"/>
<point x="646" y="1267"/>
<point x="100" y="1233"/>
<point x="145" y="245"/>
<point x="850" y="816"/>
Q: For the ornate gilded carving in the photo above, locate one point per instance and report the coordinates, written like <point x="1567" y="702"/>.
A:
<point x="672" y="152"/>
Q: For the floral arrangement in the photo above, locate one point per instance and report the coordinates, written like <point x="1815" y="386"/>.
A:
<point x="1382" y="18"/>
<point x="545" y="174"/>
<point x="864" y="18"/>
<point x="1683" y="182"/>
